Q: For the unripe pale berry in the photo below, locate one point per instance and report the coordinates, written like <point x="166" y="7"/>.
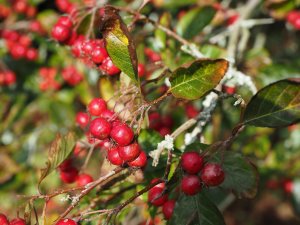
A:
<point x="212" y="174"/>
<point x="140" y="161"/>
<point x="66" y="222"/>
<point x="97" y="106"/>
<point x="122" y="134"/>
<point x="155" y="196"/>
<point x="69" y="175"/>
<point x="130" y="152"/>
<point x="100" y="128"/>
<point x="3" y="219"/>
<point x="168" y="209"/>
<point x="191" y="162"/>
<point x="113" y="157"/>
<point x="82" y="119"/>
<point x="190" y="184"/>
<point x="84" y="179"/>
<point x="17" y="221"/>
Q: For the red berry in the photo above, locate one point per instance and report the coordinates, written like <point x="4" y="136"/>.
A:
<point x="130" y="152"/>
<point x="168" y="209"/>
<point x="229" y="89"/>
<point x="65" y="165"/>
<point x="140" y="161"/>
<point x="97" y="106"/>
<point x="100" y="128"/>
<point x="66" y="222"/>
<point x="31" y="11"/>
<point x="24" y="40"/>
<point x="288" y="186"/>
<point x="63" y="5"/>
<point x="297" y="23"/>
<point x="73" y="37"/>
<point x="60" y="32"/>
<point x="20" y="6"/>
<point x="87" y="47"/>
<point x="36" y="26"/>
<point x="107" y="114"/>
<point x="292" y="16"/>
<point x="76" y="46"/>
<point x="3" y="219"/>
<point x="98" y="55"/>
<point x="122" y="134"/>
<point x="212" y="174"/>
<point x="66" y="21"/>
<point x="155" y="196"/>
<point x="82" y="119"/>
<point x="84" y="179"/>
<point x="69" y="175"/>
<point x="17" y="221"/>
<point x="113" y="157"/>
<point x="191" y="162"/>
<point x="232" y="19"/>
<point x="9" y="78"/>
<point x="31" y="54"/>
<point x="190" y="184"/>
<point x="141" y="70"/>
<point x="164" y="131"/>
<point x="191" y="111"/>
<point x="160" y="185"/>
<point x="155" y="121"/>
<point x="106" y="144"/>
<point x="109" y="68"/>
<point x="152" y="55"/>
<point x="18" y="51"/>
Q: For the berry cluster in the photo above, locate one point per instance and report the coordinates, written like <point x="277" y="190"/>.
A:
<point x="65" y="6"/>
<point x="7" y="78"/>
<point x="110" y="133"/>
<point x="293" y="17"/>
<point x="71" y="76"/>
<point x="63" y="31"/>
<point x="23" y="7"/>
<point x="162" y="124"/>
<point x="16" y="221"/>
<point x="19" y="46"/>
<point x="47" y="79"/>
<point x="5" y="11"/>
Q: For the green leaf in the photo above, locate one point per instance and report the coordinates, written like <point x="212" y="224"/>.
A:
<point x="59" y="150"/>
<point x="198" y="79"/>
<point x="194" y="21"/>
<point x="196" y="209"/>
<point x="241" y="177"/>
<point x="148" y="139"/>
<point x="118" y="42"/>
<point x="161" y="36"/>
<point x="275" y="105"/>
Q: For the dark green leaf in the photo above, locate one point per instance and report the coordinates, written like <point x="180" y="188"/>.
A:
<point x="196" y="209"/>
<point x="241" y="176"/>
<point x="118" y="42"/>
<point x="198" y="79"/>
<point x="194" y="21"/>
<point x="275" y="105"/>
<point x="59" y="150"/>
<point x="148" y="139"/>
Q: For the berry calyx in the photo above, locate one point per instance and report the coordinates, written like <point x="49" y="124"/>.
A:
<point x="69" y="175"/>
<point x="97" y="106"/>
<point x="113" y="157"/>
<point x="190" y="184"/>
<point x="212" y="174"/>
<point x="122" y="134"/>
<point x="156" y="196"/>
<point x="191" y="162"/>
<point x="3" y="219"/>
<point x="130" y="152"/>
<point x="82" y="119"/>
<point x="66" y="222"/>
<point x="168" y="209"/>
<point x="17" y="221"/>
<point x="140" y="161"/>
<point x="84" y="179"/>
<point x="100" y="128"/>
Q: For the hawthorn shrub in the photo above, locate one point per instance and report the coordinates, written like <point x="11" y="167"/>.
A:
<point x="147" y="111"/>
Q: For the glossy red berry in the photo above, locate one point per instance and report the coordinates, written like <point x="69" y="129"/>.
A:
<point x="100" y="128"/>
<point x="113" y="156"/>
<point x="66" y="21"/>
<point x="31" y="54"/>
<point x="229" y="89"/>
<point x="82" y="119"/>
<point x="97" y="106"/>
<point x="130" y="152"/>
<point x="65" y="165"/>
<point x="141" y="70"/>
<point x="20" y="6"/>
<point x="98" y="55"/>
<point x="87" y="47"/>
<point x="212" y="174"/>
<point x="18" y="51"/>
<point x="84" y="179"/>
<point x="122" y="134"/>
<point x="17" y="221"/>
<point x="3" y="219"/>
<point x="168" y="209"/>
<point x="288" y="186"/>
<point x="190" y="184"/>
<point x="140" y="161"/>
<point x="191" y="162"/>
<point x="160" y="185"/>
<point x="155" y="196"/>
<point x="9" y="78"/>
<point x="191" y="111"/>
<point x="109" y="68"/>
<point x="69" y="175"/>
<point x="63" y="5"/>
<point x="292" y="16"/>
<point x="232" y="19"/>
<point x="107" y="114"/>
<point x="60" y="32"/>
<point x="66" y="222"/>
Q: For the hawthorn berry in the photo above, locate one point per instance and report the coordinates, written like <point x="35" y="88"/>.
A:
<point x="66" y="164"/>
<point x="87" y="47"/>
<point x="18" y="51"/>
<point x="99" y="54"/>
<point x="229" y="89"/>
<point x="212" y="174"/>
<point x="83" y="179"/>
<point x="122" y="134"/>
<point x="168" y="209"/>
<point x="60" y="32"/>
<point x="191" y="111"/>
<point x="82" y="119"/>
<point x="141" y="70"/>
<point x="63" y="5"/>
<point x="100" y="128"/>
<point x="113" y="157"/>
<point x="191" y="162"/>
<point x="190" y="184"/>
<point x="66" y="21"/>
<point x="109" y="68"/>
<point x="3" y="219"/>
<point x="69" y="175"/>
<point x="130" y="152"/>
<point x="160" y="185"/>
<point x="156" y="196"/>
<point x="9" y="78"/>
<point x="31" y="54"/>
<point x="66" y="222"/>
<point x="292" y="16"/>
<point x="140" y="161"/>
<point x="107" y="114"/>
<point x="97" y="106"/>
<point x="17" y="221"/>
<point x="288" y="186"/>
